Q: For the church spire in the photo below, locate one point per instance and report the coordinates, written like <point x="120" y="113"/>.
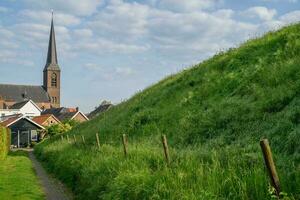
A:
<point x="52" y="55"/>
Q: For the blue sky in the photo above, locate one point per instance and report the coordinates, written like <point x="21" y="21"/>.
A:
<point x="110" y="49"/>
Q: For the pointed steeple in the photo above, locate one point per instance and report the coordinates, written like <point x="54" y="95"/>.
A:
<point x="52" y="55"/>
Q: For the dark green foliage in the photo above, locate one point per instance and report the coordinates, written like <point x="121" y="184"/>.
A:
<point x="214" y="115"/>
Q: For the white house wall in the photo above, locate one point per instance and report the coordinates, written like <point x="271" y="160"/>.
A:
<point x="30" y="110"/>
<point x="8" y="112"/>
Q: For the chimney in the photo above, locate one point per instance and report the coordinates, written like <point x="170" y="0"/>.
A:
<point x="77" y="109"/>
<point x="24" y="95"/>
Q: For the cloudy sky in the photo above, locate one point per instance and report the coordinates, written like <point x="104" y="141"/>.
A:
<point x="110" y="49"/>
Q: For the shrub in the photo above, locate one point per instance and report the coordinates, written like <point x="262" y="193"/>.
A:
<point x="58" y="129"/>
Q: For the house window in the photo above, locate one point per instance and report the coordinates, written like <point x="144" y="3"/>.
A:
<point x="34" y="135"/>
<point x="53" y="80"/>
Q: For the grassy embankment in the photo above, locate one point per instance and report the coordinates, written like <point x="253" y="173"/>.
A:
<point x="214" y="115"/>
<point x="17" y="178"/>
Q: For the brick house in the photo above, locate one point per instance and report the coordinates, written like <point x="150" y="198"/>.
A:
<point x="46" y="120"/>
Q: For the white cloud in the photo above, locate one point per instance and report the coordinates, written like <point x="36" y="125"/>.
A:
<point x="92" y="66"/>
<point x="261" y="13"/>
<point x="223" y="13"/>
<point x="277" y="23"/>
<point x="31" y="35"/>
<point x="197" y="33"/>
<point x="101" y="46"/>
<point x="83" y="33"/>
<point x="8" y="45"/>
<point x="122" y="25"/>
<point x="7" y="55"/>
<point x="127" y="20"/>
<point x="187" y="5"/>
<point x="5" y="33"/>
<point x="289" y="1"/>
<point x="124" y="71"/>
<point x="291" y="17"/>
<point x="3" y="9"/>
<point x="133" y="28"/>
<point x="75" y="7"/>
<point x="44" y="17"/>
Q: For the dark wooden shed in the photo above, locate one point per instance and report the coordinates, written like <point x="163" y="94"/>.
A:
<point x="23" y="131"/>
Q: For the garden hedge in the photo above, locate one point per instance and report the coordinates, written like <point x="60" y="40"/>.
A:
<point x="4" y="142"/>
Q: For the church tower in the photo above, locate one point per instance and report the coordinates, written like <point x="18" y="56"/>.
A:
<point x="51" y="81"/>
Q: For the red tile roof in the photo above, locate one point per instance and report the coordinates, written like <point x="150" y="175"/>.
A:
<point x="9" y="121"/>
<point x="42" y="119"/>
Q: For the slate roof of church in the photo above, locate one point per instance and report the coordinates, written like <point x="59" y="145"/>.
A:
<point x="19" y="93"/>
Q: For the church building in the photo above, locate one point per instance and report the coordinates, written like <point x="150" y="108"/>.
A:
<point x="45" y="96"/>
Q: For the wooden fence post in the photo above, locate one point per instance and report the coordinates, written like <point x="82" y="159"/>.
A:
<point x="125" y="143"/>
<point x="266" y="150"/>
<point x="83" y="140"/>
<point x="98" y="141"/>
<point x="68" y="138"/>
<point x="62" y="138"/>
<point x="74" y="139"/>
<point x="166" y="148"/>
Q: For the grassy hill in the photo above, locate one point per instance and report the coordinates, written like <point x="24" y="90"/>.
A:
<point x="214" y="115"/>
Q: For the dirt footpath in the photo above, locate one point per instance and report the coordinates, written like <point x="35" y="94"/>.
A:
<point x="54" y="190"/>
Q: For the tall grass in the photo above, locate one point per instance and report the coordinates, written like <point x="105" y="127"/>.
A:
<point x="194" y="173"/>
<point x="214" y="115"/>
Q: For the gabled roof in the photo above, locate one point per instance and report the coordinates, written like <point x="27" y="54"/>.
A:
<point x="23" y="103"/>
<point x="13" y="120"/>
<point x="104" y="106"/>
<point x="18" y="93"/>
<point x="43" y="118"/>
<point x="54" y="111"/>
<point x="9" y="121"/>
<point x="79" y="112"/>
<point x="19" y="105"/>
<point x="64" y="113"/>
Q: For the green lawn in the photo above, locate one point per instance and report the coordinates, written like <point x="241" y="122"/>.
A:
<point x="17" y="178"/>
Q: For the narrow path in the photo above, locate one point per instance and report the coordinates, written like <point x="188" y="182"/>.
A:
<point x="54" y="190"/>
